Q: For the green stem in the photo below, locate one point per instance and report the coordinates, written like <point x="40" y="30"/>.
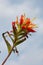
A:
<point x="7" y="56"/>
<point x="12" y="49"/>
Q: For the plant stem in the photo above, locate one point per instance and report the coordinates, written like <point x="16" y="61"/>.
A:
<point x="7" y="56"/>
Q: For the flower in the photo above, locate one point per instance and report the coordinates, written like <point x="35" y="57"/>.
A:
<point x="26" y="24"/>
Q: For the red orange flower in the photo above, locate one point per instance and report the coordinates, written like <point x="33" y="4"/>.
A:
<point x="25" y="24"/>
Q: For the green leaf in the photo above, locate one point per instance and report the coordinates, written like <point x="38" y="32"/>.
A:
<point x="11" y="38"/>
<point x="7" y="43"/>
<point x="8" y="46"/>
<point x="18" y="27"/>
<point x="19" y="42"/>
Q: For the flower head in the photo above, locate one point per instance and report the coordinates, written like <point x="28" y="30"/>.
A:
<point x="24" y="24"/>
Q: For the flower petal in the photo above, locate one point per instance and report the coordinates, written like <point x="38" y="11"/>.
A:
<point x="27" y="21"/>
<point x="21" y="19"/>
<point x="23" y="27"/>
<point x="13" y="23"/>
<point x="30" y="30"/>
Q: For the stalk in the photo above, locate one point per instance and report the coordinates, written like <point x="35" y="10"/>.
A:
<point x="7" y="56"/>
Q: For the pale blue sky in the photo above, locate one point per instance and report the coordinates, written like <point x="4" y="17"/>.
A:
<point x="31" y="51"/>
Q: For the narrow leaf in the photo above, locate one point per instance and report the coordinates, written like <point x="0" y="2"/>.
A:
<point x="7" y="43"/>
<point x="19" y="42"/>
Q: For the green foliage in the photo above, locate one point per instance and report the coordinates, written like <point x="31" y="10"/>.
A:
<point x="19" y="42"/>
<point x="7" y="43"/>
<point x="20" y="38"/>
